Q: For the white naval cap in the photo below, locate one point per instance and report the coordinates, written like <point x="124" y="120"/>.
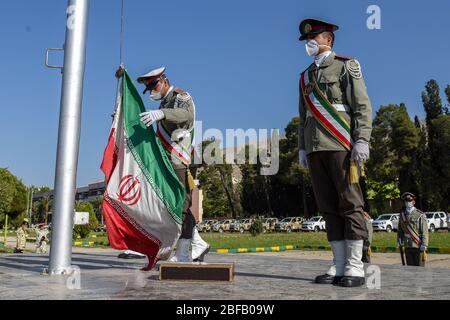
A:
<point x="152" y="75"/>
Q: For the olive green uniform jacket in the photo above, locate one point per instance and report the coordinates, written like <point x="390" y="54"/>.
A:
<point x="340" y="79"/>
<point x="418" y="220"/>
<point x="179" y="111"/>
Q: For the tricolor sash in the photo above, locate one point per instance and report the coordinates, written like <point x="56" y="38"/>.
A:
<point x="177" y="150"/>
<point x="408" y="228"/>
<point x="324" y="112"/>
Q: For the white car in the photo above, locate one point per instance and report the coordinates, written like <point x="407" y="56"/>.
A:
<point x="386" y="222"/>
<point x="315" y="224"/>
<point x="436" y="220"/>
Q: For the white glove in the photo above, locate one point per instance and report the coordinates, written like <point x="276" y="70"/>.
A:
<point x="303" y="160"/>
<point x="423" y="248"/>
<point x="361" y="151"/>
<point x="180" y="134"/>
<point x="150" y="117"/>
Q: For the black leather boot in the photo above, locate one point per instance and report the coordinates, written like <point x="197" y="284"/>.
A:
<point x="351" y="282"/>
<point x="327" y="279"/>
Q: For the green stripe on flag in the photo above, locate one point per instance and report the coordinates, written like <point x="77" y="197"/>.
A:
<point x="151" y="157"/>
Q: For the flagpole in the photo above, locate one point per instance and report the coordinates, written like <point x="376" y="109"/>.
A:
<point x="68" y="136"/>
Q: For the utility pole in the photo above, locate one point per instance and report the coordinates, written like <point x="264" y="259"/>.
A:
<point x="68" y="136"/>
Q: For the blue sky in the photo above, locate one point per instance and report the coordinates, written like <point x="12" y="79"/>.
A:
<point x="239" y="59"/>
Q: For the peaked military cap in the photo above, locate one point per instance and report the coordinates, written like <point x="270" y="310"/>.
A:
<point x="408" y="196"/>
<point x="314" y="27"/>
<point x="151" y="79"/>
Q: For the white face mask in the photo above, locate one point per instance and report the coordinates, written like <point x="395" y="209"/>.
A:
<point x="312" y="47"/>
<point x="156" y="95"/>
<point x="409" y="204"/>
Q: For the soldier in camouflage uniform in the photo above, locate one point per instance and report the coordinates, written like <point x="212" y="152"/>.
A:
<point x="175" y="127"/>
<point x="21" y="237"/>
<point x="334" y="131"/>
<point x="412" y="231"/>
<point x="41" y="238"/>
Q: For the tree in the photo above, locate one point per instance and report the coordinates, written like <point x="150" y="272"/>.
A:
<point x="287" y="193"/>
<point x="216" y="181"/>
<point x="97" y="205"/>
<point x="85" y="230"/>
<point x="432" y="102"/>
<point x="447" y="92"/>
<point x="13" y="195"/>
<point x="394" y="143"/>
<point x="434" y="188"/>
<point x="441" y="163"/>
<point x="45" y="205"/>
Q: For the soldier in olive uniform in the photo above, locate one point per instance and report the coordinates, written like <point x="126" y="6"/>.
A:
<point x="176" y="119"/>
<point x="334" y="131"/>
<point x="21" y="237"/>
<point x="412" y="233"/>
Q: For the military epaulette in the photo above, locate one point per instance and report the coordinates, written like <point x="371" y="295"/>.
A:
<point x="178" y="91"/>
<point x="354" y="68"/>
<point x="343" y="58"/>
<point x="182" y="96"/>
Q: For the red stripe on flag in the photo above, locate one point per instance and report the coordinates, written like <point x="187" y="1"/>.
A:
<point x="123" y="235"/>
<point x="110" y="156"/>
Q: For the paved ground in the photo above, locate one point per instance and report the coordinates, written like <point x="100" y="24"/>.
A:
<point x="284" y="276"/>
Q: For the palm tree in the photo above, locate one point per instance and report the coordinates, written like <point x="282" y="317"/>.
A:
<point x="45" y="207"/>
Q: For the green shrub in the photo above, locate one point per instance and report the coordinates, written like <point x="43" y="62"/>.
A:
<point x="84" y="231"/>
<point x="256" y="228"/>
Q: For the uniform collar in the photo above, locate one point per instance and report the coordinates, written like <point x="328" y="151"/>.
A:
<point x="168" y="96"/>
<point x="328" y="61"/>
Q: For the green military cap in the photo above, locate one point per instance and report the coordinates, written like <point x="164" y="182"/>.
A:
<point x="314" y="27"/>
<point x="408" y="196"/>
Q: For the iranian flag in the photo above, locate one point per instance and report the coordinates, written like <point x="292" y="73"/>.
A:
<point x="144" y="198"/>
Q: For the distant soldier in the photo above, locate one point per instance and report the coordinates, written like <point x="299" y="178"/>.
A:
<point x="41" y="238"/>
<point x="412" y="232"/>
<point x="22" y="237"/>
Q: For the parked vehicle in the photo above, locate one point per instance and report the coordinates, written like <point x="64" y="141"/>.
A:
<point x="205" y="225"/>
<point x="269" y="224"/>
<point x="289" y="224"/>
<point x="436" y="221"/>
<point x="386" y="222"/>
<point x="223" y="225"/>
<point x="315" y="224"/>
<point x="242" y="225"/>
<point x="236" y="225"/>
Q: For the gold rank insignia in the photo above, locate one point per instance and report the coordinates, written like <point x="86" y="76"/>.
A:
<point x="307" y="28"/>
<point x="309" y="88"/>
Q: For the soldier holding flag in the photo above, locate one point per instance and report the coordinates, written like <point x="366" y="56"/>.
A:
<point x="175" y="127"/>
